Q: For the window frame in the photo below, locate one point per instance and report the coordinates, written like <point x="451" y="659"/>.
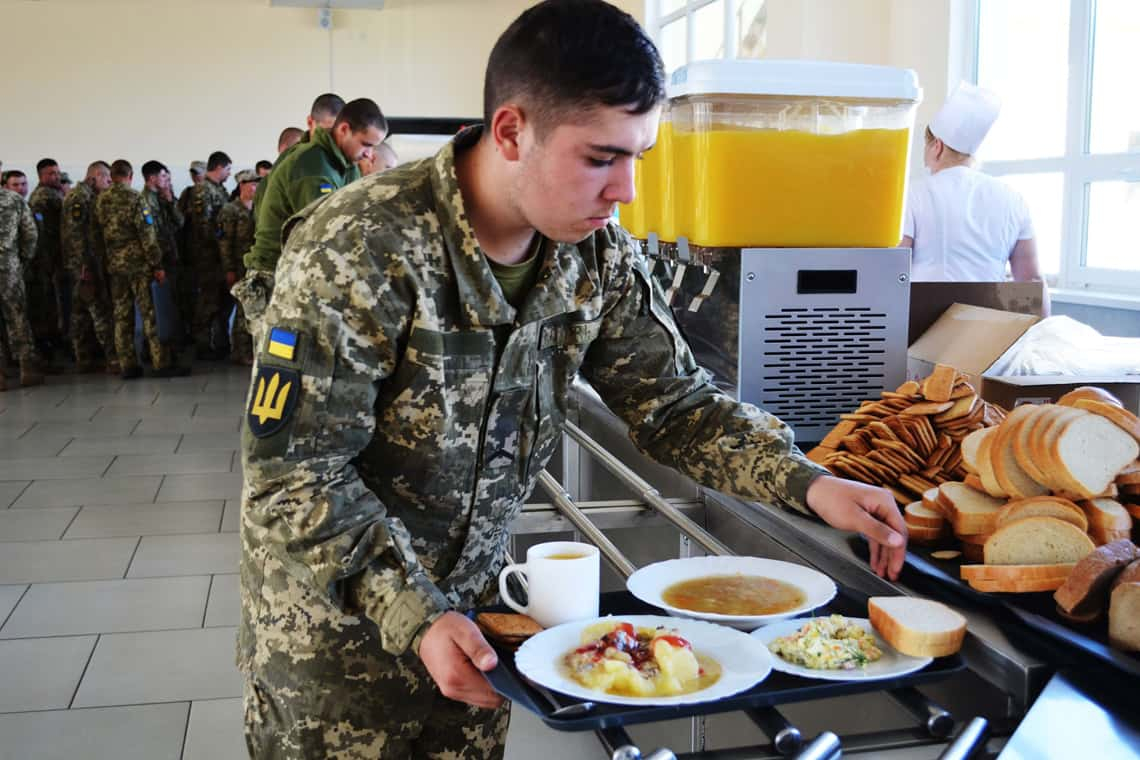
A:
<point x="1078" y="167"/>
<point x="655" y="22"/>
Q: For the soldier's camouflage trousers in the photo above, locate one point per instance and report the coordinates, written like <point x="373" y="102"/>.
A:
<point x="128" y="289"/>
<point x="399" y="716"/>
<point x="89" y="312"/>
<point x="14" y="304"/>
<point x="211" y="306"/>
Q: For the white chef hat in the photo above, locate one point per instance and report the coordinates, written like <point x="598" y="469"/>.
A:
<point x="966" y="117"/>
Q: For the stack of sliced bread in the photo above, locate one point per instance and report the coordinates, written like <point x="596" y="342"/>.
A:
<point x="908" y="440"/>
<point x="1107" y="580"/>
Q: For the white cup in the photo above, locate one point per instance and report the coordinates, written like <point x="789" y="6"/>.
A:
<point x="561" y="582"/>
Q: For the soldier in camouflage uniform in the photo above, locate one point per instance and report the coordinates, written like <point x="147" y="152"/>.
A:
<point x="184" y="277"/>
<point x="124" y="228"/>
<point x="44" y="277"/>
<point x="90" y="309"/>
<point x="17" y="247"/>
<point x="212" y="307"/>
<point x="168" y="220"/>
<point x="410" y="389"/>
<point x="235" y="225"/>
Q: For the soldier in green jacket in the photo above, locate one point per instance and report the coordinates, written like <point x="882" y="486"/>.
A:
<point x="304" y="173"/>
<point x="90" y="307"/>
<point x="409" y="392"/>
<point x="184" y="286"/>
<point x="44" y="276"/>
<point x="124" y="229"/>
<point x="212" y="307"/>
<point x="235" y="238"/>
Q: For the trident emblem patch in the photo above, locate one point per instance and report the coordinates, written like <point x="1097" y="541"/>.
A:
<point x="274" y="397"/>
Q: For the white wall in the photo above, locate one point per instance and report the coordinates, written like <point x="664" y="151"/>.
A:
<point x="176" y="79"/>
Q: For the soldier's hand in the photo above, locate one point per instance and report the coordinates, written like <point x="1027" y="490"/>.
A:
<point x="160" y="276"/>
<point x="454" y="652"/>
<point x="872" y="511"/>
<point x="231" y="278"/>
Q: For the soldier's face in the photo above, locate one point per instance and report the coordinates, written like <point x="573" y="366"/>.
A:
<point x="247" y="191"/>
<point x="357" y="145"/>
<point x="50" y="176"/>
<point x="18" y="185"/>
<point x="102" y="180"/>
<point x="570" y="181"/>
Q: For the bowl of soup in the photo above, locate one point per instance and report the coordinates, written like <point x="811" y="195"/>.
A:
<point x="743" y="592"/>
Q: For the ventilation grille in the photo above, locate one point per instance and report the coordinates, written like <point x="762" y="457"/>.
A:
<point x="821" y="362"/>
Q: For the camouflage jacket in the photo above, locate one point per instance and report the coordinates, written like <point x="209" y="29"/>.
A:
<point x="206" y="203"/>
<point x="124" y="229"/>
<point x="17" y="233"/>
<point x="235" y="235"/>
<point x="167" y="221"/>
<point x="47" y="205"/>
<point x="391" y="436"/>
<point x="77" y="235"/>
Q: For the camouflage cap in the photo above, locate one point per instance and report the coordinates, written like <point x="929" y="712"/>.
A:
<point x="247" y="175"/>
<point x="197" y="167"/>
<point x="64" y="178"/>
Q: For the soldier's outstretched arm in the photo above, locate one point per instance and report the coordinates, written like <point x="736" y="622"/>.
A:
<point x="644" y="370"/>
<point x="332" y="338"/>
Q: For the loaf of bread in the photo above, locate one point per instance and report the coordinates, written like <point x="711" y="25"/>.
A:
<point x="917" y="627"/>
<point x="1037" y="541"/>
<point x="1086" y="588"/>
<point x="1124" y="617"/>
<point x="1042" y="506"/>
<point x="1087" y="452"/>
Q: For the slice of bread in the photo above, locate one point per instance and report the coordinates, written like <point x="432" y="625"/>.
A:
<point x="507" y="628"/>
<point x="1130" y="574"/>
<point x="1016" y="572"/>
<point x="1102" y="536"/>
<point x="1022" y="450"/>
<point x="1087" y="453"/>
<point x="931" y="502"/>
<point x="1080" y="619"/>
<point x="1016" y="585"/>
<point x="969" y="448"/>
<point x="1122" y="418"/>
<point x="986" y="467"/>
<point x="1086" y="587"/>
<point x="922" y="535"/>
<point x="1090" y="392"/>
<point x="970" y="512"/>
<point x="940" y="384"/>
<point x="918" y="516"/>
<point x="1043" y="506"/>
<point x="1037" y="541"/>
<point x="1009" y="475"/>
<point x="1106" y="513"/>
<point x="973" y="481"/>
<point x="1124" y="617"/>
<point x="917" y="627"/>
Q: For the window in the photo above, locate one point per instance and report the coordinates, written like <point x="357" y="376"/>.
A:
<point x="696" y="30"/>
<point x="1068" y="138"/>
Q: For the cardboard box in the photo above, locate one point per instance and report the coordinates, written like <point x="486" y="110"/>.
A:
<point x="972" y="339"/>
<point x="928" y="300"/>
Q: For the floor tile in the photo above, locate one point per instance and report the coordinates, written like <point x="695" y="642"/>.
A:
<point x="143" y="519"/>
<point x="53" y="413"/>
<point x="216" y="731"/>
<point x="192" y="442"/>
<point x="102" y="397"/>
<point x="35" y="524"/>
<point x="109" y="426"/>
<point x="173" y="464"/>
<point x="171" y="410"/>
<point x="32" y="445"/>
<point x="231" y="518"/>
<point x="164" y="666"/>
<point x="204" y="554"/>
<point x="81" y="560"/>
<point x="9" y="595"/>
<point x="41" y="674"/>
<point x="12" y="427"/>
<point x="66" y="493"/>
<point x="10" y="489"/>
<point x="196" y="487"/>
<point x="68" y="609"/>
<point x="224" y="607"/>
<point x="138" y="732"/>
<point x="219" y="425"/>
<point x="121" y="444"/>
<point x="54" y="468"/>
<point x="233" y="408"/>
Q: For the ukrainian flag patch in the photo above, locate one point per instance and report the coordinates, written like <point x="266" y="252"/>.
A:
<point x="325" y="188"/>
<point x="282" y="343"/>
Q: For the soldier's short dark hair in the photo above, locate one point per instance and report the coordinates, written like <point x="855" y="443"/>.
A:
<point x="562" y="57"/>
<point x="10" y="173"/>
<point x="263" y="164"/>
<point x="326" y="105"/>
<point x="360" y="114"/>
<point x="100" y="164"/>
<point x="216" y="160"/>
<point x="289" y="135"/>
<point x="45" y="163"/>
<point x="121" y="169"/>
<point x="151" y="168"/>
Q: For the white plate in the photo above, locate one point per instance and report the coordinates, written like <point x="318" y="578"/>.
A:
<point x="650" y="582"/>
<point x="892" y="663"/>
<point x="744" y="661"/>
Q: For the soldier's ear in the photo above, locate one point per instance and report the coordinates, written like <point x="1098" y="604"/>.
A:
<point x="506" y="127"/>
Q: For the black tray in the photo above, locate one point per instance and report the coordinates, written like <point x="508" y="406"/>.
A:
<point x="1035" y="610"/>
<point x="778" y="688"/>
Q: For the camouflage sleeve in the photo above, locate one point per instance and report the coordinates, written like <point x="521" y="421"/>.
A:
<point x="148" y="237"/>
<point x="176" y="216"/>
<point x="201" y="214"/>
<point x="303" y="495"/>
<point x="29" y="234"/>
<point x="72" y="234"/>
<point x="644" y="370"/>
<point x="227" y="230"/>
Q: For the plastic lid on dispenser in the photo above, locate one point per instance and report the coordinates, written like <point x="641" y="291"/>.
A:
<point x="793" y="78"/>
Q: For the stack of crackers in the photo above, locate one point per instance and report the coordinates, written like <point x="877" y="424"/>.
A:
<point x="507" y="629"/>
<point x="909" y="440"/>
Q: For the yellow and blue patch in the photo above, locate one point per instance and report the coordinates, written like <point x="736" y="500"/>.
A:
<point x="271" y="405"/>
<point x="282" y="343"/>
<point x="147" y="217"/>
<point x="325" y="188"/>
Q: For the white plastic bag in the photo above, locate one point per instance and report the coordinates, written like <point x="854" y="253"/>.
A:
<point x="1064" y="346"/>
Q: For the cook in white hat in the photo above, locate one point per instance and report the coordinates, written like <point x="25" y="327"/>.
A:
<point x="966" y="226"/>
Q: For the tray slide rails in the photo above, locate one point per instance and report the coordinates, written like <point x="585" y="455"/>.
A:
<point x="935" y="724"/>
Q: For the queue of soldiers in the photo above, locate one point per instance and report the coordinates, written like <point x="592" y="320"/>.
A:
<point x="77" y="263"/>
